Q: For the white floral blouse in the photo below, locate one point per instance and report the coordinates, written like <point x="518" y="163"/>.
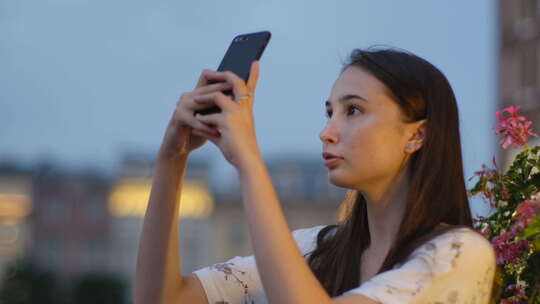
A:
<point x="455" y="267"/>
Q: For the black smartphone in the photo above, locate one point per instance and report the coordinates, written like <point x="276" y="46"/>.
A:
<point x="243" y="50"/>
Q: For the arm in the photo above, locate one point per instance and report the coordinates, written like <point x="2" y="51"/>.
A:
<point x="158" y="274"/>
<point x="285" y="275"/>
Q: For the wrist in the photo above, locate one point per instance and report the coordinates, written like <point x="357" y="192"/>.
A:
<point x="249" y="162"/>
<point x="167" y="155"/>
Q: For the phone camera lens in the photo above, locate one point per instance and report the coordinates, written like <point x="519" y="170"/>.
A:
<point x="240" y="39"/>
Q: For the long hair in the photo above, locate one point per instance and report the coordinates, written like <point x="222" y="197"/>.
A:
<point x="437" y="190"/>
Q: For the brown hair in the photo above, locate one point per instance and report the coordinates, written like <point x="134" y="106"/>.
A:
<point x="437" y="193"/>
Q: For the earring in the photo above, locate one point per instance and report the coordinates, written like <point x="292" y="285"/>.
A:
<point x="411" y="146"/>
<point x="408" y="148"/>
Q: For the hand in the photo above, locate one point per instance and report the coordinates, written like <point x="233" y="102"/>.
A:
<point x="180" y="138"/>
<point x="236" y="131"/>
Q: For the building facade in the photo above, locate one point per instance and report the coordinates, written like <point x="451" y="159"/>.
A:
<point x="519" y="67"/>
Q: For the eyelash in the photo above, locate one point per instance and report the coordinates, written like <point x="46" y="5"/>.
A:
<point x="328" y="113"/>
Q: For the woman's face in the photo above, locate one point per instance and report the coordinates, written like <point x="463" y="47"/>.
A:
<point x="366" y="131"/>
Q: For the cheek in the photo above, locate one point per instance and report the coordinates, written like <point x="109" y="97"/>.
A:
<point x="373" y="148"/>
<point x="363" y="141"/>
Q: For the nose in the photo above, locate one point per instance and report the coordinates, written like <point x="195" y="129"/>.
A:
<point x="329" y="133"/>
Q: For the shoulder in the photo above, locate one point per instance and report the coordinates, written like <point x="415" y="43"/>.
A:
<point x="458" y="263"/>
<point x="308" y="230"/>
<point x="461" y="238"/>
<point x="306" y="238"/>
<point x="457" y="248"/>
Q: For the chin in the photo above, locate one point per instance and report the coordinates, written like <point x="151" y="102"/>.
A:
<point x="339" y="181"/>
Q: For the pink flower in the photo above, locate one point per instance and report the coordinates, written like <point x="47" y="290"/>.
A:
<point x="515" y="129"/>
<point x="508" y="252"/>
<point x="488" y="176"/>
<point x="525" y="212"/>
<point x="527" y="209"/>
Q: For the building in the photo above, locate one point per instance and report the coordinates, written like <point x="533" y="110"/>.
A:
<point x="83" y="222"/>
<point x="212" y="226"/>
<point x="519" y="68"/>
<point x="15" y="208"/>
<point x="127" y="203"/>
<point x="306" y="196"/>
<point x="69" y="224"/>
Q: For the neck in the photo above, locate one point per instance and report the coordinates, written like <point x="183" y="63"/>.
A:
<point x="385" y="209"/>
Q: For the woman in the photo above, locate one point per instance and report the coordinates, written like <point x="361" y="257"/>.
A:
<point x="392" y="138"/>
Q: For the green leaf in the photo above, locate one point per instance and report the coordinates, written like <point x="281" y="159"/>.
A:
<point x="536" y="243"/>
<point x="533" y="228"/>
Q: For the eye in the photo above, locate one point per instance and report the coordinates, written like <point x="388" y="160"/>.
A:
<point x="349" y="108"/>
<point x="328" y="114"/>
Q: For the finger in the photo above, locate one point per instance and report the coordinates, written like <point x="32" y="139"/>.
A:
<point x="196" y="124"/>
<point x="209" y="136"/>
<point x="190" y="103"/>
<point x="215" y="98"/>
<point x="238" y="84"/>
<point x="213" y="119"/>
<point x="253" y="76"/>
<point x="207" y="77"/>
<point x="206" y="134"/>
<point x="221" y="86"/>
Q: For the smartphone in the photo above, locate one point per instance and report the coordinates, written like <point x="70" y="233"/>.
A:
<point x="243" y="50"/>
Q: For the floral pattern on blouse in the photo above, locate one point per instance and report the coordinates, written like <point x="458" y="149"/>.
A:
<point x="455" y="267"/>
<point x="230" y="270"/>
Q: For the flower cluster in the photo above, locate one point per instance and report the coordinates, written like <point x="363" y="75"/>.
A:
<point x="513" y="228"/>
<point x="514" y="128"/>
<point x="525" y="213"/>
<point x="508" y="252"/>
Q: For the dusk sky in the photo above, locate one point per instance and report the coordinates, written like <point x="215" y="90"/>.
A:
<point x="82" y="81"/>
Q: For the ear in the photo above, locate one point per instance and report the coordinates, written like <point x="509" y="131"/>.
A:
<point x="416" y="140"/>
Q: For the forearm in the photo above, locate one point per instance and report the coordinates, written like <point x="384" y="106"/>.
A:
<point x="284" y="273"/>
<point x="158" y="273"/>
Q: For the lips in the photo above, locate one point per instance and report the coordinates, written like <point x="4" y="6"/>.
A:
<point x="331" y="160"/>
<point x="327" y="155"/>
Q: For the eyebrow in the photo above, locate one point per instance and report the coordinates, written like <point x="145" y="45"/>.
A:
<point x="345" y="98"/>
